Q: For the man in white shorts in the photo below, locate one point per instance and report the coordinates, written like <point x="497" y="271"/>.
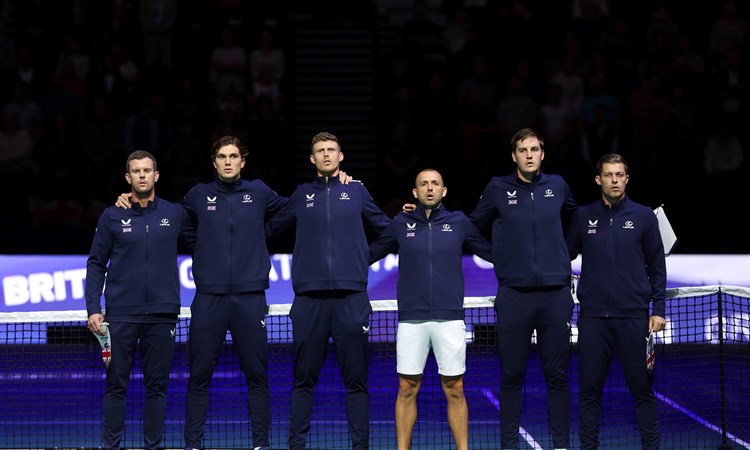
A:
<point x="430" y="294"/>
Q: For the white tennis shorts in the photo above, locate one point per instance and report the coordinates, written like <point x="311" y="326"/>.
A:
<point x="447" y="338"/>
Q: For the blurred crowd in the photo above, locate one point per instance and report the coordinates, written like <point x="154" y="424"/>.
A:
<point x="85" y="82"/>
<point x="664" y="83"/>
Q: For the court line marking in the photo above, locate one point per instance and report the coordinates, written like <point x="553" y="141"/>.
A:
<point x="521" y="430"/>
<point x="530" y="440"/>
<point x="699" y="419"/>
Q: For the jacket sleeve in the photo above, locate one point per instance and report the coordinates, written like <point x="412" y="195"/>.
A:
<point x="485" y="211"/>
<point x="570" y="206"/>
<point x="475" y="242"/>
<point x="373" y="215"/>
<point x="187" y="203"/>
<point x="274" y="202"/>
<point x="283" y="219"/>
<point x="573" y="237"/>
<point x="186" y="240"/>
<point x="385" y="244"/>
<point x="656" y="267"/>
<point x="96" y="265"/>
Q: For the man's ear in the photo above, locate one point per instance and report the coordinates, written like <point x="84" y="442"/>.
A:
<point x="156" y="176"/>
<point x="127" y="177"/>
<point x="598" y="180"/>
<point x="414" y="192"/>
<point x="312" y="159"/>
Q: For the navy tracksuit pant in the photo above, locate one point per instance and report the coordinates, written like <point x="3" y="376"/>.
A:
<point x="316" y="317"/>
<point x="244" y="315"/>
<point x="155" y="342"/>
<point x="519" y="312"/>
<point x="599" y="338"/>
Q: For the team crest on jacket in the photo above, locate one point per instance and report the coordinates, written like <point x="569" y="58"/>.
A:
<point x="310" y="200"/>
<point x="410" y="229"/>
<point x="592" y="226"/>
<point x="512" y="197"/>
<point x="211" y="203"/>
<point x="126" y="225"/>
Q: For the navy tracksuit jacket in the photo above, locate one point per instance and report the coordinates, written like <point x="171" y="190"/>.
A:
<point x="430" y="250"/>
<point x="231" y="255"/>
<point x="136" y="251"/>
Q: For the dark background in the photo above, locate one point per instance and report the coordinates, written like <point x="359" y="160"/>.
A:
<point x="403" y="84"/>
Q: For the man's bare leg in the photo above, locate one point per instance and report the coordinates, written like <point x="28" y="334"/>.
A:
<point x="458" y="410"/>
<point x="406" y="408"/>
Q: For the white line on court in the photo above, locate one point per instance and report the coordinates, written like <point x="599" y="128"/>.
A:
<point x="700" y="420"/>
<point x="521" y="431"/>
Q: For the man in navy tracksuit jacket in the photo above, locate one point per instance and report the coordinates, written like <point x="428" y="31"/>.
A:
<point x="529" y="212"/>
<point x="623" y="271"/>
<point x="430" y="243"/>
<point x="135" y="251"/>
<point x="231" y="266"/>
<point x="329" y="277"/>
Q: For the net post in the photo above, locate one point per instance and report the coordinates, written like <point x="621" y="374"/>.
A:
<point x="722" y="374"/>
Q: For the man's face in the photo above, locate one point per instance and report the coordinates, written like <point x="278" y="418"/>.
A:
<point x="326" y="155"/>
<point x="429" y="189"/>
<point x="613" y="179"/>
<point x="228" y="163"/>
<point x="142" y="177"/>
<point x="528" y="155"/>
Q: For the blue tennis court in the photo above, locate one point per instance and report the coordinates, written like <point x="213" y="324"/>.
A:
<point x="687" y="412"/>
<point x="52" y="385"/>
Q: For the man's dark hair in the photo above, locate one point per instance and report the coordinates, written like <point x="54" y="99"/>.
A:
<point x="611" y="158"/>
<point x="323" y="136"/>
<point x="139" y="154"/>
<point x="228" y="140"/>
<point x="525" y="133"/>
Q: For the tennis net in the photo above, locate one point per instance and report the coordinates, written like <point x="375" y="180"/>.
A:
<point x="52" y="383"/>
